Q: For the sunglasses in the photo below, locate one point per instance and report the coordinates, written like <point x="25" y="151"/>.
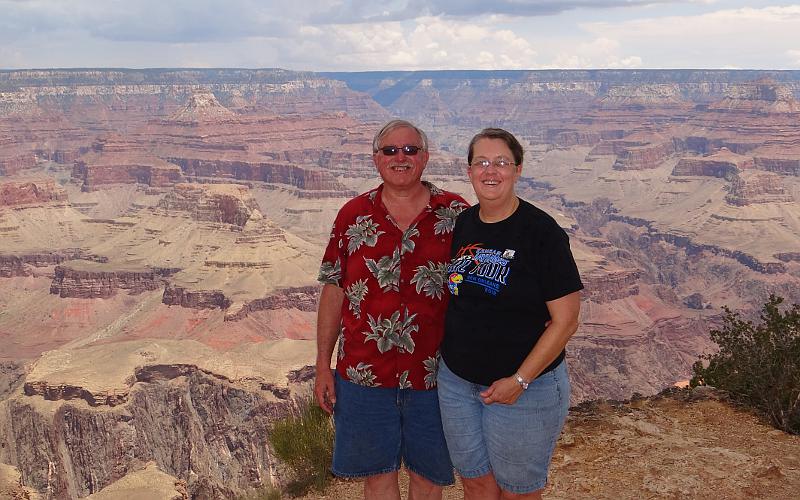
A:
<point x="393" y="150"/>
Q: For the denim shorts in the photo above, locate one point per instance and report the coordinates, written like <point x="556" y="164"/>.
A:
<point x="514" y="442"/>
<point x="377" y="428"/>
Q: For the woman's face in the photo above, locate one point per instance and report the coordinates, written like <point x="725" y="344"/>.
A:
<point x="494" y="183"/>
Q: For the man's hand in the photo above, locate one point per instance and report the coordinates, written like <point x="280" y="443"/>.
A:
<point x="505" y="390"/>
<point x="324" y="389"/>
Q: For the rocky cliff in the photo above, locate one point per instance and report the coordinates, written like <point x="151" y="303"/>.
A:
<point x="222" y="203"/>
<point x="757" y="187"/>
<point x="195" y="426"/>
<point x="32" y="192"/>
<point x="92" y="283"/>
<point x="21" y="264"/>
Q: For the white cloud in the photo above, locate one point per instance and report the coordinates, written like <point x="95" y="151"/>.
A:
<point x="745" y="37"/>
<point x="466" y="35"/>
<point x="425" y="43"/>
<point x="599" y="53"/>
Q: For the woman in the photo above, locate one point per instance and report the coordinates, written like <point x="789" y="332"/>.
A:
<point x="503" y="387"/>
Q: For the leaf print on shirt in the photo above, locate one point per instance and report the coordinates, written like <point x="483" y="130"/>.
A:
<point x="355" y="293"/>
<point x="340" y="350"/>
<point x="386" y="271"/>
<point x="330" y="272"/>
<point x="432" y="368"/>
<point x="391" y="332"/>
<point x="447" y="217"/>
<point x="362" y="375"/>
<point x="363" y="232"/>
<point x="435" y="191"/>
<point x="430" y="279"/>
<point x="407" y="245"/>
<point x="404" y="383"/>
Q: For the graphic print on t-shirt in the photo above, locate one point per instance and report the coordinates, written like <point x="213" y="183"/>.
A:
<point x="485" y="267"/>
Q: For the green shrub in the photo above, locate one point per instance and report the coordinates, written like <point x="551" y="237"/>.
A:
<point x="759" y="365"/>
<point x="305" y="443"/>
<point x="265" y="493"/>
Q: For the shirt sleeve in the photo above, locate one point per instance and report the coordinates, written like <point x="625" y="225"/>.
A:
<point x="560" y="275"/>
<point x="333" y="261"/>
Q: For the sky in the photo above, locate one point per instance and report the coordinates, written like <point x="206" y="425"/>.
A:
<point x="364" y="35"/>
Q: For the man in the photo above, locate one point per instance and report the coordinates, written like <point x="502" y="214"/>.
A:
<point x="384" y="298"/>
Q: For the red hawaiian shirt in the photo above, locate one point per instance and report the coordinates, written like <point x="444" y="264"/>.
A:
<point x="394" y="285"/>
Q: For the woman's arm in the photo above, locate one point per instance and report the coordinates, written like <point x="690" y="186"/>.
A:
<point x="564" y="322"/>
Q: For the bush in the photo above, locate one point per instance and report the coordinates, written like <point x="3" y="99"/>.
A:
<point x="265" y="493"/>
<point x="759" y="365"/>
<point x="305" y="443"/>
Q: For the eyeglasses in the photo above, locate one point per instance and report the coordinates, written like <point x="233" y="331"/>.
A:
<point x="393" y="150"/>
<point x="499" y="163"/>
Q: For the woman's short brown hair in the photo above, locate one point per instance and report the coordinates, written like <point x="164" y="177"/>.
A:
<point x="497" y="133"/>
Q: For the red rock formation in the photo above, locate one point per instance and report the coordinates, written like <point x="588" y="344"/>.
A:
<point x="644" y="157"/>
<point x="34" y="192"/>
<point x="202" y="105"/>
<point x="222" y="203"/>
<point x="115" y="161"/>
<point x="19" y="265"/>
<point x="643" y="96"/>
<point x="175" y="295"/>
<point x="91" y="284"/>
<point x="13" y="160"/>
<point x="604" y="286"/>
<point x="723" y="164"/>
<point x="763" y="97"/>
<point x="306" y="178"/>
<point x="302" y="298"/>
<point x="786" y="166"/>
<point x="757" y="187"/>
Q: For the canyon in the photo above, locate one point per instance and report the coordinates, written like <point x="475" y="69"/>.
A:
<point x="161" y="233"/>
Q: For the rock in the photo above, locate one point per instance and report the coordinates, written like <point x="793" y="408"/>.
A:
<point x="202" y="105"/>
<point x="194" y="426"/>
<point x="694" y="301"/>
<point x="222" y="203"/>
<point x="92" y="283"/>
<point x="175" y="295"/>
<point x="605" y="286"/>
<point x="757" y="187"/>
<point x="35" y="192"/>
<point x="722" y="164"/>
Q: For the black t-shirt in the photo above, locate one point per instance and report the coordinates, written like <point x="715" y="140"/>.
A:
<point x="500" y="277"/>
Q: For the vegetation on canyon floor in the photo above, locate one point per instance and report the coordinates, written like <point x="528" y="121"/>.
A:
<point x="758" y="364"/>
<point x="304" y="442"/>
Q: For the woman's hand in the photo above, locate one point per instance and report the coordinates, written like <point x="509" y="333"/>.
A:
<point x="504" y="391"/>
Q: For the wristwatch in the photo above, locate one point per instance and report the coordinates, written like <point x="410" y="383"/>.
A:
<point x="521" y="381"/>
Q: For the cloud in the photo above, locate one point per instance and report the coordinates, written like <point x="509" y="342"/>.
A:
<point x="165" y="21"/>
<point x="352" y="35"/>
<point x="745" y="38"/>
<point x="359" y="11"/>
<point x="425" y="43"/>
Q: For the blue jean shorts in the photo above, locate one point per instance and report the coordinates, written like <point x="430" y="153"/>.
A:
<point x="377" y="428"/>
<point x="514" y="442"/>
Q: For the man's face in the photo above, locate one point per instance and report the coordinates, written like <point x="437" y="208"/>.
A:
<point x="400" y="171"/>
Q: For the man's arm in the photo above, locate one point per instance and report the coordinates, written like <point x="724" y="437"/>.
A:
<point x="329" y="318"/>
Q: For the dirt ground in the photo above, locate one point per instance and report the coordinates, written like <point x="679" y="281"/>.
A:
<point x="689" y="444"/>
